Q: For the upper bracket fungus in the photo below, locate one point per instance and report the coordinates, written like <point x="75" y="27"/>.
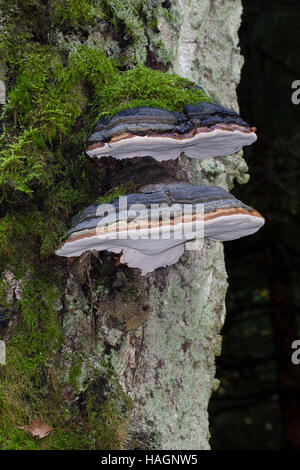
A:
<point x="150" y="228"/>
<point x="200" y="131"/>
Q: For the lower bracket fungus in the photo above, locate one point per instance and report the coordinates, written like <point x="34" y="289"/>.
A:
<point x="200" y="131"/>
<point x="149" y="229"/>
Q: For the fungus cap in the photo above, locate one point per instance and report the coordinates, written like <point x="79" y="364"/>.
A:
<point x="202" y="131"/>
<point x="150" y="228"/>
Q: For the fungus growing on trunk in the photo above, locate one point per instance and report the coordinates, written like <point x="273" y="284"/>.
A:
<point x="200" y="131"/>
<point x="150" y="228"/>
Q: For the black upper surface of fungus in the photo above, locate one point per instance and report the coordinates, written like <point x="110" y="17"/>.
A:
<point x="208" y="114"/>
<point x="144" y="120"/>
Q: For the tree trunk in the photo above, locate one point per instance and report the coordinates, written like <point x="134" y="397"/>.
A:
<point x="158" y="336"/>
<point x="167" y="365"/>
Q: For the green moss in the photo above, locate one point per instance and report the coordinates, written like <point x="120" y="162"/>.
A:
<point x="49" y="97"/>
<point x="37" y="334"/>
<point x="73" y="13"/>
<point x="41" y="236"/>
<point x="112" y="415"/>
<point x="36" y="19"/>
<point x="75" y="372"/>
<point x="143" y="86"/>
<point x="122" y="190"/>
<point x="42" y="108"/>
<point x="30" y="350"/>
<point x="18" y="440"/>
<point x="92" y="65"/>
<point x="71" y="439"/>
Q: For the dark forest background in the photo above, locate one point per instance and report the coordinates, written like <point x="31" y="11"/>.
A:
<point x="258" y="403"/>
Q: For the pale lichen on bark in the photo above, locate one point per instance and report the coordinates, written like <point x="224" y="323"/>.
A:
<point x="173" y="375"/>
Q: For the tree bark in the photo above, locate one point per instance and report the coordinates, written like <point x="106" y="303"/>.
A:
<point x="167" y="365"/>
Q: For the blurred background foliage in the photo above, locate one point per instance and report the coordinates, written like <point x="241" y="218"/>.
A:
<point x="258" y="403"/>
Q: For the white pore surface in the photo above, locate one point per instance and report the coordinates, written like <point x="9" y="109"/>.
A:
<point x="147" y="264"/>
<point x="216" y="143"/>
<point x="231" y="227"/>
<point x="144" y="254"/>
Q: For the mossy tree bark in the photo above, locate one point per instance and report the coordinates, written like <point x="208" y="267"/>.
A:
<point x="133" y="365"/>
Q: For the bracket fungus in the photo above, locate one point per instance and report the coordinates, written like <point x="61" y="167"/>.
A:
<point x="200" y="131"/>
<point x="149" y="229"/>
